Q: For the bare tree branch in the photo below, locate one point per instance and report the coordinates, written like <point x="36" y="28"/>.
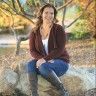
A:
<point x="48" y="1"/>
<point x="23" y="15"/>
<point x="9" y="6"/>
<point x="64" y="5"/>
<point x="44" y="1"/>
<point x="26" y="17"/>
<point x="54" y="3"/>
<point x="13" y="3"/>
<point x="80" y="15"/>
<point x="22" y="10"/>
<point x="64" y="12"/>
<point x="6" y="10"/>
<point x="16" y="38"/>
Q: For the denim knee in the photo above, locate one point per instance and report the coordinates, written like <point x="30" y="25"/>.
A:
<point x="31" y="66"/>
<point x="44" y="69"/>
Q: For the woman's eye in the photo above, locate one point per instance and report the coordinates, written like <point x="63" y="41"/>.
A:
<point x="49" y="13"/>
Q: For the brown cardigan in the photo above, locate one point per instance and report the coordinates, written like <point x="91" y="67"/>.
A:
<point x="56" y="44"/>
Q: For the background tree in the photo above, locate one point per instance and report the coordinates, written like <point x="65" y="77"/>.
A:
<point x="29" y="8"/>
<point x="16" y="13"/>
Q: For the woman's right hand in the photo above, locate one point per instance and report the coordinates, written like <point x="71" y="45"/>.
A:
<point x="40" y="62"/>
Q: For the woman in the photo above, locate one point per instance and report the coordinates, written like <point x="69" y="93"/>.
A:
<point x="47" y="47"/>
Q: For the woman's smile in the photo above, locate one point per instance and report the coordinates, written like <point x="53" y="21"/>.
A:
<point x="48" y="15"/>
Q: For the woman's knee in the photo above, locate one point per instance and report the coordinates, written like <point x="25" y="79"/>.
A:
<point x="66" y="67"/>
<point x="31" y="66"/>
<point x="63" y="71"/>
<point x="44" y="69"/>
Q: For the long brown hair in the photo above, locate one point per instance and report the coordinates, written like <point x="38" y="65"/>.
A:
<point x="39" y="17"/>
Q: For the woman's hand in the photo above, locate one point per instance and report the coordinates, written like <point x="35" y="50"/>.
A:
<point x="40" y="62"/>
<point x="51" y="61"/>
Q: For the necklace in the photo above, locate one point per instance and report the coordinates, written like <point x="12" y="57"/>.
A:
<point x="45" y="32"/>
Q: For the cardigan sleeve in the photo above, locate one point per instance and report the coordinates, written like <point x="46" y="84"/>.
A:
<point x="60" y="42"/>
<point x="34" y="53"/>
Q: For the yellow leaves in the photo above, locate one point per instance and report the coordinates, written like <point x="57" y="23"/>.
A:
<point x="82" y="3"/>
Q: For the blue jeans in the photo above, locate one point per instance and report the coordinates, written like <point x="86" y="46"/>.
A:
<point x="58" y="66"/>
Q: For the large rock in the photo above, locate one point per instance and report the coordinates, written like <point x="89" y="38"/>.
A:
<point x="87" y="75"/>
<point x="76" y="81"/>
<point x="8" y="80"/>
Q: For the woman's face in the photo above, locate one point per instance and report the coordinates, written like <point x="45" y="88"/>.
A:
<point x="48" y="15"/>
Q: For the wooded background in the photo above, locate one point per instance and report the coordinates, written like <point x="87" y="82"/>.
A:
<point x="76" y="16"/>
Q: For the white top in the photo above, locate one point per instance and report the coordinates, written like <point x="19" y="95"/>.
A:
<point x="45" y="44"/>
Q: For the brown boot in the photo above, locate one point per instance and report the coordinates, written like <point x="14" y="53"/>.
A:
<point x="62" y="91"/>
<point x="33" y="79"/>
<point x="55" y="81"/>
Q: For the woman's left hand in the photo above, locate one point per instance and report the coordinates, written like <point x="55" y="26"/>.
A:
<point x="40" y="62"/>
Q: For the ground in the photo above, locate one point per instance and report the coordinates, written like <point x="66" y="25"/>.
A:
<point x="82" y="53"/>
